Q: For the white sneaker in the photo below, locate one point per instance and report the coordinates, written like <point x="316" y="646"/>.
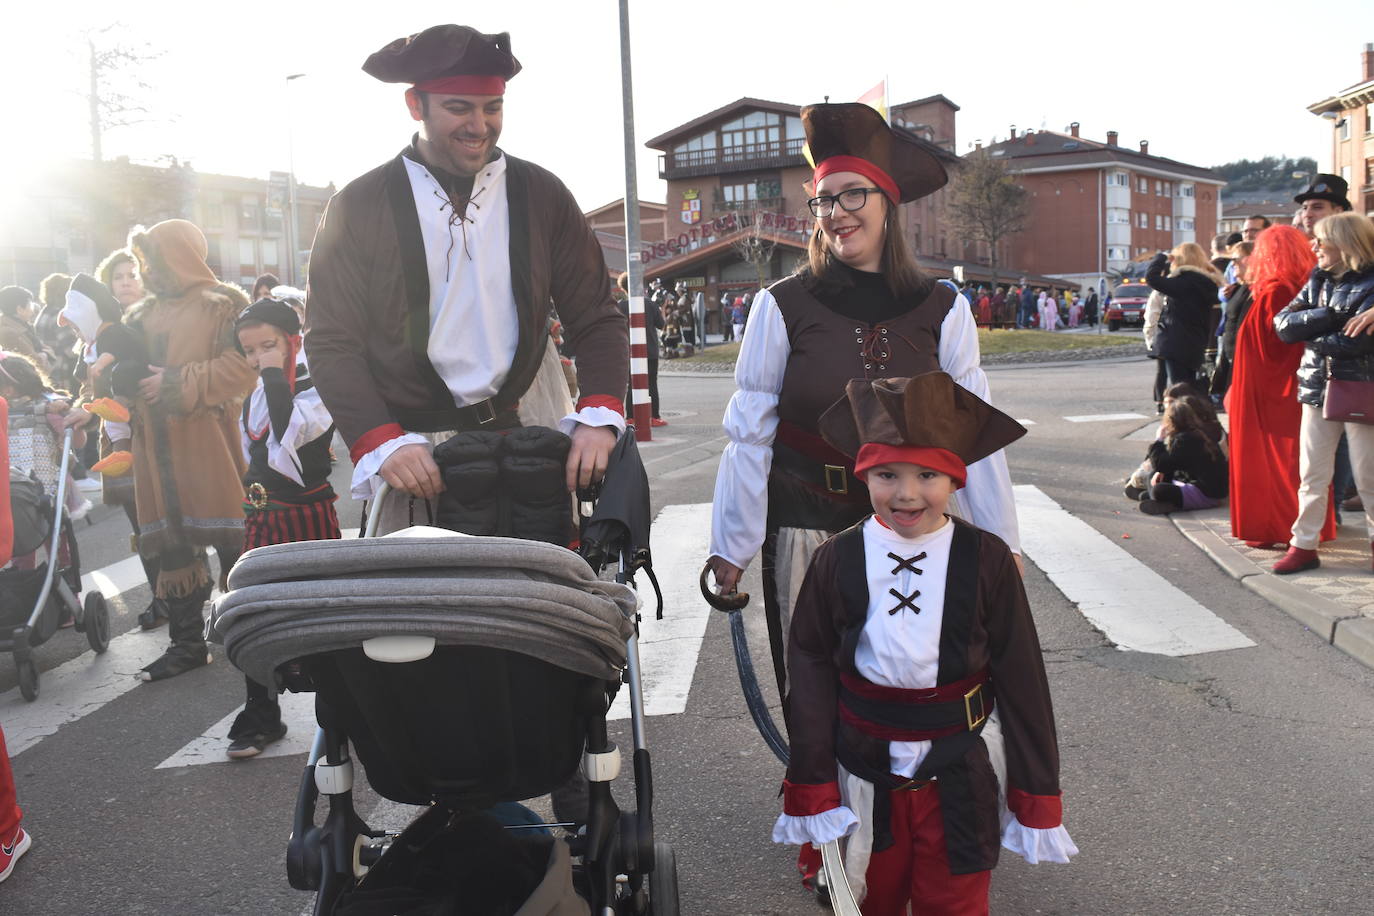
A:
<point x="81" y="511"/>
<point x="11" y="851"/>
<point x="89" y="484"/>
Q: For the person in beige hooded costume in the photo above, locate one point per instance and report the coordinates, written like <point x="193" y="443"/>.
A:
<point x="188" y="463"/>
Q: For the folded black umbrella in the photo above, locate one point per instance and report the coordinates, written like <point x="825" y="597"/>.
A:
<point x="618" y="528"/>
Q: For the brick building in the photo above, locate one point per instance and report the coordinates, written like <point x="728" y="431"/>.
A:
<point x="73" y="213"/>
<point x="1097" y="207"/>
<point x="1351" y="113"/>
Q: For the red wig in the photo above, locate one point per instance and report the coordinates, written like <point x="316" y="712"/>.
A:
<point x="1283" y="257"/>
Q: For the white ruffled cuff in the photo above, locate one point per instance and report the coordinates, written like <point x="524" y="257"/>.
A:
<point x="816" y="829"/>
<point x="365" y="480"/>
<point x="592" y="416"/>
<point x="1036" y="845"/>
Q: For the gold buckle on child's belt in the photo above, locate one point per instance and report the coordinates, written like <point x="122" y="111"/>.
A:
<point x="257" y="496"/>
<point x="975" y="699"/>
<point x="836" y="479"/>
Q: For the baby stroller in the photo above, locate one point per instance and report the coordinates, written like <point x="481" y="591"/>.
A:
<point x="464" y="672"/>
<point x="33" y="601"/>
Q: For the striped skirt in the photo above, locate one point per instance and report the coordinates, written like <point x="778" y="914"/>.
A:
<point x="284" y="524"/>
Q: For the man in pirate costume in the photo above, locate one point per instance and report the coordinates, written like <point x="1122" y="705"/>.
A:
<point x="917" y="684"/>
<point x="187" y="460"/>
<point x="432" y="277"/>
<point x="286" y="437"/>
<point x="858" y="308"/>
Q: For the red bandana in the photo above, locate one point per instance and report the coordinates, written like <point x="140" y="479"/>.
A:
<point x="871" y="454"/>
<point x="863" y="167"/>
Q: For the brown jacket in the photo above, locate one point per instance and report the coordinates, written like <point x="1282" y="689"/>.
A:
<point x="368" y="312"/>
<point x="987" y="624"/>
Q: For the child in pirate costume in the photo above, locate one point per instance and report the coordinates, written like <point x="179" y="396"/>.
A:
<point x="913" y="656"/>
<point x="286" y="436"/>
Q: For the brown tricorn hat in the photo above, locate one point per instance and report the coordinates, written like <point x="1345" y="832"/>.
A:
<point x="857" y="131"/>
<point x="442" y="52"/>
<point x="926" y="411"/>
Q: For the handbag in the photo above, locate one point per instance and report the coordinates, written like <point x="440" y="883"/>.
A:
<point x="1347" y="401"/>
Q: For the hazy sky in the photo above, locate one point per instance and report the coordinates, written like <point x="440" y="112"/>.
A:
<point x="1203" y="82"/>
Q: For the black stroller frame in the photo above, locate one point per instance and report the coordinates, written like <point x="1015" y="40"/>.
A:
<point x="57" y="594"/>
<point x="622" y="869"/>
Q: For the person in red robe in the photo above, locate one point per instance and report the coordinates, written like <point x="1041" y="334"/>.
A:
<point x="1262" y="400"/>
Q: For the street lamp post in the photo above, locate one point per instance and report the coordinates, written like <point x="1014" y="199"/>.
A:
<point x="293" y="230"/>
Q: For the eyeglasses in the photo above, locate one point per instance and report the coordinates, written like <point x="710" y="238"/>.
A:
<point x="849" y="200"/>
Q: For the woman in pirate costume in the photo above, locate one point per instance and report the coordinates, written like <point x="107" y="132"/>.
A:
<point x="859" y="308"/>
<point x="910" y="629"/>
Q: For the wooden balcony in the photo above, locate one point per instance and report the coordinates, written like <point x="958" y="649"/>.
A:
<point x="780" y="155"/>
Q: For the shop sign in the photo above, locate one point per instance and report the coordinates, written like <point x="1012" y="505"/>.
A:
<point x="721" y="225"/>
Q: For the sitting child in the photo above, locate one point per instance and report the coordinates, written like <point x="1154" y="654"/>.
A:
<point x="908" y="628"/>
<point x="1190" y="469"/>
<point x="1138" y="484"/>
<point x="95" y="314"/>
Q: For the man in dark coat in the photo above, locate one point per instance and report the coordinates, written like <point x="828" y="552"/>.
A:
<point x="432" y="277"/>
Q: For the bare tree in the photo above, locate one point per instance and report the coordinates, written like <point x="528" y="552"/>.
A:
<point x="753" y="245"/>
<point x="115" y="89"/>
<point x="985" y="203"/>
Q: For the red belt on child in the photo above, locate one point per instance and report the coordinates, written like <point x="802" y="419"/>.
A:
<point x="902" y="714"/>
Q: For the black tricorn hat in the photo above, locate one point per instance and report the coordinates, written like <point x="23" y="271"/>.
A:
<point x="926" y="411"/>
<point x="442" y="51"/>
<point x="273" y="312"/>
<point x="855" y="129"/>
<point x="1327" y="187"/>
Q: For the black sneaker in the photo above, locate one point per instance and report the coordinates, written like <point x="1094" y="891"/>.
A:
<point x="178" y="659"/>
<point x="1157" y="507"/>
<point x="1134" y="493"/>
<point x="154" y="615"/>
<point x="251" y="745"/>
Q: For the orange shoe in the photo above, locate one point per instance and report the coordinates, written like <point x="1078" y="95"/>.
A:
<point x="108" y="409"/>
<point x="115" y="464"/>
<point x="658" y="421"/>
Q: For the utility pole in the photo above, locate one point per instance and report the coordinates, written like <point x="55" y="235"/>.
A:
<point x="94" y="99"/>
<point x="639" y="349"/>
<point x="293" y="229"/>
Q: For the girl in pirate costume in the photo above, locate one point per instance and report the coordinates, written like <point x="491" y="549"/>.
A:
<point x="911" y="627"/>
<point x="286" y="437"/>
<point x="858" y="308"/>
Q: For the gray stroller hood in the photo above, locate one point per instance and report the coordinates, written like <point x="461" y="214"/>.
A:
<point x="288" y="601"/>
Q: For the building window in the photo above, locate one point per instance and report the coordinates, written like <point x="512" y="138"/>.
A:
<point x="1159" y="222"/>
<point x="1118" y="254"/>
<point x="1159" y="189"/>
<point x="699" y="150"/>
<point x="270" y="260"/>
<point x="759" y="133"/>
<point x="1119" y="215"/>
<point x="1343" y="129"/>
<point x="1186" y="224"/>
<point x="1186" y="190"/>
<point x="1117" y="179"/>
<point x="1143" y="185"/>
<point x="248" y="214"/>
<point x="1168" y="223"/>
<point x="212" y="254"/>
<point x="1143" y="220"/>
<point x="248" y="256"/>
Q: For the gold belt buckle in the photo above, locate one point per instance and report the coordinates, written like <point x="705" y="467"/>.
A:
<point x="975" y="721"/>
<point x="833" y="473"/>
<point x="257" y="496"/>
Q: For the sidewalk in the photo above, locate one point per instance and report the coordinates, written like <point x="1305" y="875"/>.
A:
<point x="1335" y="601"/>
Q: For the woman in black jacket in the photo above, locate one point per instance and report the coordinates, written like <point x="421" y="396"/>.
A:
<point x="1341" y="287"/>
<point x="1190" y="294"/>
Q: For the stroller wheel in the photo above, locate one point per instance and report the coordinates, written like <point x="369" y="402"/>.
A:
<point x="28" y="677"/>
<point x="663" y="882"/>
<point x="96" y="617"/>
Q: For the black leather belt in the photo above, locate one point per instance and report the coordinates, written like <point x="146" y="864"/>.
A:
<point x="482" y="415"/>
<point x="835" y="481"/>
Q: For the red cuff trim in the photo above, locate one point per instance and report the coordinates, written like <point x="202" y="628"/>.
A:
<point x="1041" y="812"/>
<point x="373" y="438"/>
<point x="602" y="400"/>
<point x="803" y="800"/>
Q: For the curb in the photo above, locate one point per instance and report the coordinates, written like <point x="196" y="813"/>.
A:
<point x="1353" y="634"/>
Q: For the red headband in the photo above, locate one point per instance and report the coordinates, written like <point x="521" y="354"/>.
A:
<point x="863" y="167"/>
<point x="466" y="84"/>
<point x="872" y="454"/>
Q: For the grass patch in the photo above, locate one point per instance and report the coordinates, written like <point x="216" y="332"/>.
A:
<point x="714" y="355"/>
<point x="1030" y="341"/>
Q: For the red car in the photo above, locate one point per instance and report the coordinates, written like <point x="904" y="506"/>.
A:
<point x="1128" y="305"/>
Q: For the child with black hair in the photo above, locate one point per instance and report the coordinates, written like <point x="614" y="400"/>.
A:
<point x="286" y="437"/>
<point x="1138" y="484"/>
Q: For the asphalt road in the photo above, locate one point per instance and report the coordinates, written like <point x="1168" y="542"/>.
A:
<point x="1228" y="782"/>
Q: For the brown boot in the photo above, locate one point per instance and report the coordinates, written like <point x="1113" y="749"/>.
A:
<point x="1296" y="560"/>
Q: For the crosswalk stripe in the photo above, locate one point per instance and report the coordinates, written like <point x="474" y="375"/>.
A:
<point x="1026" y="422"/>
<point x="668" y="648"/>
<point x="1134" y="606"/>
<point x="1104" y="417"/>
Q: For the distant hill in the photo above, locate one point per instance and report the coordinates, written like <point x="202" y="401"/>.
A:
<point x="1270" y="174"/>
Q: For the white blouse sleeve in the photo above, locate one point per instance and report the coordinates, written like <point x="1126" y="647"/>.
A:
<point x="740" y="507"/>
<point x="987" y="498"/>
<point x="1036" y="845"/>
<point x="816" y="829"/>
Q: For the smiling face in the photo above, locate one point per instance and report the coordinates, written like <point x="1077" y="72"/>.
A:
<point x="1328" y="255"/>
<point x="910" y="499"/>
<point x="458" y="132"/>
<point x="257" y="339"/>
<point x="1314" y="211"/>
<point x="855" y="238"/>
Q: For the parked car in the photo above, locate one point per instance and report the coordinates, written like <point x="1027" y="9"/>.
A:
<point x="1128" y="305"/>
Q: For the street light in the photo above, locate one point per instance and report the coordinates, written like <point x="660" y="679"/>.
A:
<point x="294" y="231"/>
